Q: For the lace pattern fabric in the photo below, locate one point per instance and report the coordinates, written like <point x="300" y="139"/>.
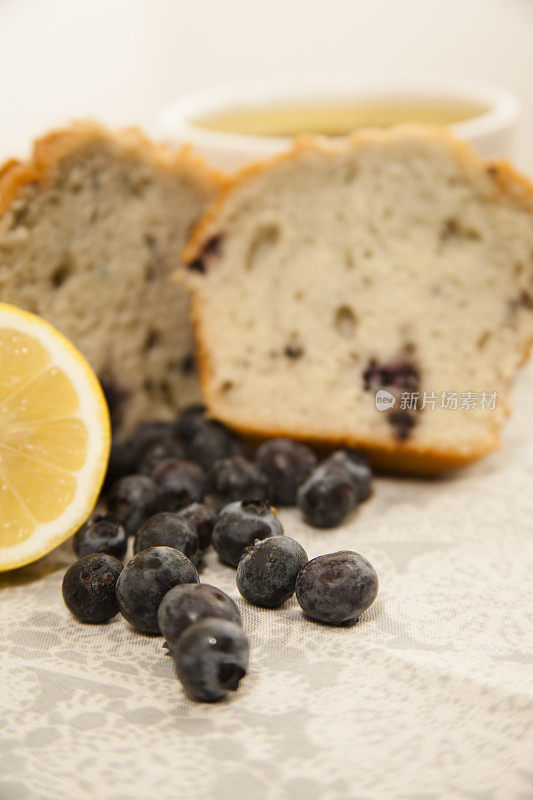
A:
<point x="428" y="696"/>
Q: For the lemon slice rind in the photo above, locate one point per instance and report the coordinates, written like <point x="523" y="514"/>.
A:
<point x="92" y="410"/>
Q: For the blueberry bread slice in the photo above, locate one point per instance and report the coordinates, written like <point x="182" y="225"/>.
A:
<point x="90" y="230"/>
<point x="377" y="293"/>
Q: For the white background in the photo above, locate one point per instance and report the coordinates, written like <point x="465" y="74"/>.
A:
<point x="123" y="60"/>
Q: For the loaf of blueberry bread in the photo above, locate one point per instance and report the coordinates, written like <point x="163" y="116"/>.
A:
<point x="90" y="230"/>
<point x="377" y="293"/>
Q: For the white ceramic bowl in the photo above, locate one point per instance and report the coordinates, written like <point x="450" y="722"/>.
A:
<point x="491" y="133"/>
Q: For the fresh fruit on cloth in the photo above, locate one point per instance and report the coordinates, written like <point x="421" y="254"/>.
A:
<point x="211" y="658"/>
<point x="101" y="534"/>
<point x="239" y="525"/>
<point x="268" y="569"/>
<point x="337" y="587"/>
<point x="54" y="438"/>
<point x="146" y="579"/>
<point x="89" y="587"/>
<point x="186" y="603"/>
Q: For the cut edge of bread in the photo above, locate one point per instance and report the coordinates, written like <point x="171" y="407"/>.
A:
<point x="394" y="456"/>
<point x="397" y="457"/>
<point x="21" y="180"/>
<point x="49" y="150"/>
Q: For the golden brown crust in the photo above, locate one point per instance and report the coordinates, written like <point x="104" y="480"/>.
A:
<point x="506" y="178"/>
<point x="407" y="457"/>
<point x="51" y="149"/>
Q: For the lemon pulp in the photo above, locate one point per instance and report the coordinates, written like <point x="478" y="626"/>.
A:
<point x="54" y="438"/>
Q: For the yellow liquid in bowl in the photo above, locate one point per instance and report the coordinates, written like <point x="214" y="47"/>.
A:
<point x="337" y="119"/>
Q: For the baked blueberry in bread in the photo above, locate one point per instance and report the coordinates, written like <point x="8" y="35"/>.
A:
<point x="376" y="293"/>
<point x="90" y="230"/>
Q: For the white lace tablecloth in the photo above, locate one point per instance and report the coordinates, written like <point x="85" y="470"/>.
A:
<point x="428" y="696"/>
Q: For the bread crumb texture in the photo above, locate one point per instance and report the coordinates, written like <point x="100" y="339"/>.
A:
<point x="90" y="230"/>
<point x="395" y="262"/>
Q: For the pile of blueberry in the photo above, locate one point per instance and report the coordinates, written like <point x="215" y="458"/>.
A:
<point x="178" y="488"/>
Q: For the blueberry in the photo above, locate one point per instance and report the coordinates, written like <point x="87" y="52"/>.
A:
<point x="157" y="452"/>
<point x="211" y="657"/>
<point x="327" y="496"/>
<point x="127" y="455"/>
<point x="401" y="374"/>
<point x="201" y="517"/>
<point x="337" y="587"/>
<point x="238" y="526"/>
<point x="211" y="442"/>
<point x="267" y="571"/>
<point x="89" y="587"/>
<point x="148" y="434"/>
<point x="146" y="579"/>
<point x="183" y="605"/>
<point x="190" y="421"/>
<point x="355" y="463"/>
<point x="166" y="529"/>
<point x="235" y="478"/>
<point x="286" y="464"/>
<point x="179" y="483"/>
<point x="402" y="421"/>
<point x="121" y="463"/>
<point x="132" y="500"/>
<point x="101" y="534"/>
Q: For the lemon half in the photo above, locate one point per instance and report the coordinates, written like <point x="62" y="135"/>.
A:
<point x="54" y="438"/>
